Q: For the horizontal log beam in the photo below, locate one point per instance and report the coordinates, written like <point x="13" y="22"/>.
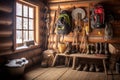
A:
<point x="5" y="33"/>
<point x="92" y="38"/>
<point x="72" y="1"/>
<point x="67" y="6"/>
<point x="5" y="21"/>
<point x="5" y="44"/>
<point x="5" y="8"/>
<point x="56" y="1"/>
<point x="5" y="52"/>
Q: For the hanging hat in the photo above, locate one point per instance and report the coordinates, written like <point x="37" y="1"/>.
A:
<point x="76" y="11"/>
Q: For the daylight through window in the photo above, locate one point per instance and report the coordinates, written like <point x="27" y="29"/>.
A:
<point x="25" y="23"/>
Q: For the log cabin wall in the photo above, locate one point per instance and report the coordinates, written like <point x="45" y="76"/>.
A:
<point x="94" y="36"/>
<point x="7" y="34"/>
<point x="6" y="26"/>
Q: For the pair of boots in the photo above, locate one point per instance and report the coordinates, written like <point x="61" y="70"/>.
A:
<point x="80" y="67"/>
<point x="83" y="67"/>
<point x="91" y="68"/>
<point x="94" y="68"/>
<point x="101" y="48"/>
<point x="90" y="49"/>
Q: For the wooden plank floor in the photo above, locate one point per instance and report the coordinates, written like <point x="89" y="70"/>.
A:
<point x="65" y="73"/>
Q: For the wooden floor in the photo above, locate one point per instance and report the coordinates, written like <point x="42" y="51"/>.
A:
<point x="65" y="73"/>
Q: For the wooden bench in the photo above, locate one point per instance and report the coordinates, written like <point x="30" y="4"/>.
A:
<point x="78" y="55"/>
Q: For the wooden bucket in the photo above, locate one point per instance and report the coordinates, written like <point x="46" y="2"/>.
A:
<point x="62" y="47"/>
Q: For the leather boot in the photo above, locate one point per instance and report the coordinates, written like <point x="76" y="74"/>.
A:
<point x="92" y="49"/>
<point x="92" y="68"/>
<point x="101" y="49"/>
<point x="86" y="67"/>
<point x="106" y="48"/>
<point x="96" y="48"/>
<point x="88" y="49"/>
<point x="79" y="67"/>
<point x="97" y="69"/>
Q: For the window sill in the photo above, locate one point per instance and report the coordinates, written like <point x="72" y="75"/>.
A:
<point x="25" y="48"/>
<point x="22" y="47"/>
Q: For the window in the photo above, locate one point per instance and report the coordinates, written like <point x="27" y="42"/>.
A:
<point x="25" y="23"/>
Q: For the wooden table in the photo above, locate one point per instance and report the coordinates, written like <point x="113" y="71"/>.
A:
<point x="78" y="55"/>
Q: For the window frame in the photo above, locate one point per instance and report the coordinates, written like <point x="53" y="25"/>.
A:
<point x="37" y="39"/>
<point x="28" y="18"/>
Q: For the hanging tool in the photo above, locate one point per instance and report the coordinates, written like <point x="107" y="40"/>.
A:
<point x="77" y="31"/>
<point x="47" y="20"/>
<point x="57" y="35"/>
<point x="78" y="14"/>
<point x="84" y="41"/>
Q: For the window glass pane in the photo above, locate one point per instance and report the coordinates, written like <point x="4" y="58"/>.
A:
<point x="31" y="24"/>
<point x="25" y="35"/>
<point x="25" y="11"/>
<point x="19" y="36"/>
<point x="31" y="12"/>
<point x="25" y="23"/>
<point x="31" y="35"/>
<point x="18" y="23"/>
<point x="19" y="9"/>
